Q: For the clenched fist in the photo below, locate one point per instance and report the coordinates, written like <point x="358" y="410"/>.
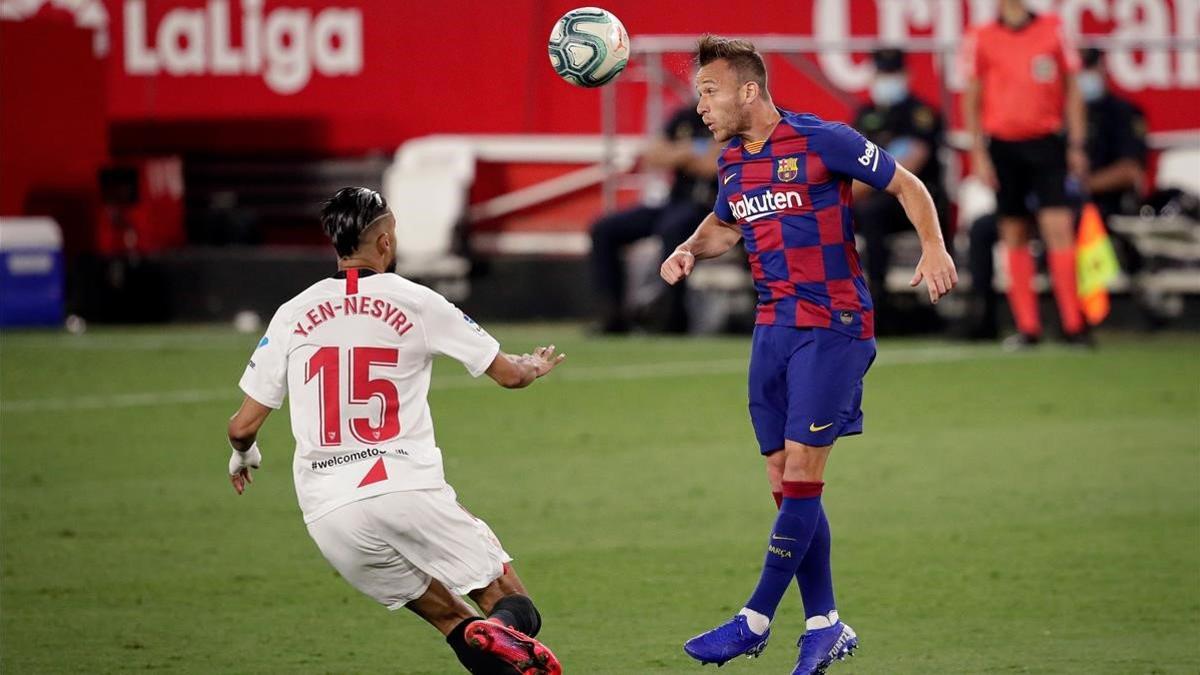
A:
<point x="677" y="266"/>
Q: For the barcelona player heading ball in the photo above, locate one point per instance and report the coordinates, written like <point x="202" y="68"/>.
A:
<point x="784" y="188"/>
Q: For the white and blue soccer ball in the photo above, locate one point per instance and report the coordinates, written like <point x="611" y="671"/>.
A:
<point x="589" y="47"/>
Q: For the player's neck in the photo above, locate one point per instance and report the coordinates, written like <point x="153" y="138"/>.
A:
<point x="362" y="264"/>
<point x="763" y="121"/>
<point x="1013" y="14"/>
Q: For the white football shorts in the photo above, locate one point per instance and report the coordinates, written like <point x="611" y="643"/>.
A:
<point x="392" y="545"/>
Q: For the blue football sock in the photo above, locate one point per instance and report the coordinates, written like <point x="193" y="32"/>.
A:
<point x="814" y="577"/>
<point x="794" y="528"/>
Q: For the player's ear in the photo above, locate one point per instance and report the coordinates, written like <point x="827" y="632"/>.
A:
<point x="384" y="242"/>
<point x="750" y="92"/>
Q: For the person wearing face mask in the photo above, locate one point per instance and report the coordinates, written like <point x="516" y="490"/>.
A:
<point x="685" y="147"/>
<point x="1116" y="141"/>
<point x="1116" y="153"/>
<point x="1024" y="112"/>
<point x="911" y="130"/>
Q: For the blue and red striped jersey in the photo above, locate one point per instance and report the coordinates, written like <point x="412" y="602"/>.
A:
<point x="791" y="197"/>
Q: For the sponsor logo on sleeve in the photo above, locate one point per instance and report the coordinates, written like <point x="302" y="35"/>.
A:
<point x="870" y="156"/>
<point x="474" y="326"/>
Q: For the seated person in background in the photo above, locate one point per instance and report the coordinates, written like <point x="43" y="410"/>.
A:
<point x="686" y="148"/>
<point x="983" y="312"/>
<point x="1116" y="153"/>
<point x="911" y="131"/>
<point x="1116" y="142"/>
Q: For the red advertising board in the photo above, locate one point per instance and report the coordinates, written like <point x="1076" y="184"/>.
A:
<point x="362" y="74"/>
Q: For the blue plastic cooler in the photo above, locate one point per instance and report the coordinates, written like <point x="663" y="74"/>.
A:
<point x="31" y="272"/>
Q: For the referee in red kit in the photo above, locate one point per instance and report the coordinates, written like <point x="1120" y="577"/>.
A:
<point x="1021" y="97"/>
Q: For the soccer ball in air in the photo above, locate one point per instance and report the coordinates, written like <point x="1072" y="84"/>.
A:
<point x="589" y="47"/>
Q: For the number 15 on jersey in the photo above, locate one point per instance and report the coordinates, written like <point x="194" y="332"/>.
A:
<point x="324" y="366"/>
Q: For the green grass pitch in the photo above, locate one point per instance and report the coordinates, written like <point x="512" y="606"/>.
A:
<point x="1003" y="514"/>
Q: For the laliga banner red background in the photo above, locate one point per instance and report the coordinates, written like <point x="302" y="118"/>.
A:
<point x="353" y="75"/>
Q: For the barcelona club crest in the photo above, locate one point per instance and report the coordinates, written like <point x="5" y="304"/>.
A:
<point x="786" y="169"/>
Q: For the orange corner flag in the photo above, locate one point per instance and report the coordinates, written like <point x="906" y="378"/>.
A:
<point x="1096" y="264"/>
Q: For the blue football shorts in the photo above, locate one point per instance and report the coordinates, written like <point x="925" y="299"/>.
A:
<point x="806" y="385"/>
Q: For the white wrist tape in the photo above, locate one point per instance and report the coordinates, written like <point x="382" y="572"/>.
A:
<point x="251" y="458"/>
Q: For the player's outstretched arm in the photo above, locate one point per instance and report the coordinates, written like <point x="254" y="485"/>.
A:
<point x="515" y="372"/>
<point x="243" y="435"/>
<point x="710" y="240"/>
<point x="936" y="266"/>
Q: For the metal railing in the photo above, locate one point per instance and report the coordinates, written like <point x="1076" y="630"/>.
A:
<point x="647" y="66"/>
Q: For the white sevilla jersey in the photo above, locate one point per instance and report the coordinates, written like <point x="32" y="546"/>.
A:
<point x="354" y="354"/>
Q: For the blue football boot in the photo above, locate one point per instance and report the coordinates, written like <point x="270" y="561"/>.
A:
<point x="821" y="647"/>
<point x="729" y="640"/>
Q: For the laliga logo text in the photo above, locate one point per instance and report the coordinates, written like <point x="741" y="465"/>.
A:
<point x="284" y="46"/>
<point x="768" y="203"/>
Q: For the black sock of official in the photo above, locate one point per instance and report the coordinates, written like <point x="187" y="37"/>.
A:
<point x="518" y="611"/>
<point x="458" y="642"/>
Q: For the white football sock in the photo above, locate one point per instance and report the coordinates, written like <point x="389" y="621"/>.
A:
<point x="758" y="622"/>
<point x="821" y="621"/>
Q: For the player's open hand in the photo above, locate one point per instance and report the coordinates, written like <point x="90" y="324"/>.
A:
<point x="983" y="169"/>
<point x="544" y="359"/>
<point x="241" y="464"/>
<point x="936" y="268"/>
<point x="677" y="266"/>
<point x="1077" y="162"/>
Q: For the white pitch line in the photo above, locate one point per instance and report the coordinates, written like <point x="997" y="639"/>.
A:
<point x="131" y="400"/>
<point x="631" y="371"/>
<point x="134" y="343"/>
